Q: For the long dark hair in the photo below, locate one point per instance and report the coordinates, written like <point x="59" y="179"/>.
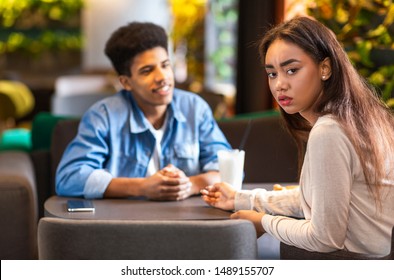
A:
<point x="366" y="120"/>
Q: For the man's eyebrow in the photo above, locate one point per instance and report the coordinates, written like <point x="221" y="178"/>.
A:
<point x="284" y="63"/>
<point x="148" y="66"/>
<point x="145" y="67"/>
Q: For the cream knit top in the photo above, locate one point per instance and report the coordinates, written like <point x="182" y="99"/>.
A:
<point x="336" y="208"/>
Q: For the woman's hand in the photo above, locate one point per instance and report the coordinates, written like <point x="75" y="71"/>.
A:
<point x="220" y="195"/>
<point x="254" y="217"/>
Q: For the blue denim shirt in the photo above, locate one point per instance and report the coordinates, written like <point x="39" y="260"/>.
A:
<point x="114" y="140"/>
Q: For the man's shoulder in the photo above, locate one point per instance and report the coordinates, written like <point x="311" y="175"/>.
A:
<point x="186" y="97"/>
<point x="115" y="106"/>
<point x="181" y="93"/>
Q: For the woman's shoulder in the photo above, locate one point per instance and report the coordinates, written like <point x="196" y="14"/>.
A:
<point x="326" y="122"/>
<point x="327" y="128"/>
<point x="328" y="136"/>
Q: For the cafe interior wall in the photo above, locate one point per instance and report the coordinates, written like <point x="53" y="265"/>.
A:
<point x="101" y="17"/>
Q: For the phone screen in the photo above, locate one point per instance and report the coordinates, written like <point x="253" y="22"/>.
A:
<point x="80" y="206"/>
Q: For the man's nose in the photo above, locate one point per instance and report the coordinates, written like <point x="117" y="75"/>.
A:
<point x="160" y="75"/>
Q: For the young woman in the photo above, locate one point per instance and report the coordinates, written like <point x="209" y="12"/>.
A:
<point x="345" y="136"/>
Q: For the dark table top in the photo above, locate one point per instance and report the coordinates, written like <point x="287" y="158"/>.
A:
<point x="193" y="208"/>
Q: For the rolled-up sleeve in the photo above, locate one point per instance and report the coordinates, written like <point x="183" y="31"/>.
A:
<point x="85" y="154"/>
<point x="285" y="202"/>
<point x="97" y="183"/>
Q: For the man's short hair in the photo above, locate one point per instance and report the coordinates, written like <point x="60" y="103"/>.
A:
<point x="132" y="39"/>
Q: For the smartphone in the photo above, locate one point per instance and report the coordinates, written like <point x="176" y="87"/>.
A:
<point x="75" y="205"/>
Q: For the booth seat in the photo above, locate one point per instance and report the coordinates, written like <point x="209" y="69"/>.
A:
<point x="18" y="206"/>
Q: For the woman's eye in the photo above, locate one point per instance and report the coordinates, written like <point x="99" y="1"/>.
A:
<point x="292" y="71"/>
<point x="271" y="75"/>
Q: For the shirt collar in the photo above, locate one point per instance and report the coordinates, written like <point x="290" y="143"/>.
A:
<point x="137" y="120"/>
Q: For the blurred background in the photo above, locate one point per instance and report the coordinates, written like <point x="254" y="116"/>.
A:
<point x="55" y="48"/>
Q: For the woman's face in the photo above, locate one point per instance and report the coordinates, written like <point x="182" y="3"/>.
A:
<point x="295" y="79"/>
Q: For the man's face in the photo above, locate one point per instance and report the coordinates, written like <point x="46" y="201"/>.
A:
<point x="151" y="81"/>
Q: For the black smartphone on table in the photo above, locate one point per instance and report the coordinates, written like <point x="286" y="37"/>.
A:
<point x="75" y="205"/>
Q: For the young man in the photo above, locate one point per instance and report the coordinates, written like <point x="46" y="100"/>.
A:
<point x="149" y="139"/>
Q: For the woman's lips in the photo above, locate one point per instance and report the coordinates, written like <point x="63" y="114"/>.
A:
<point x="284" y="100"/>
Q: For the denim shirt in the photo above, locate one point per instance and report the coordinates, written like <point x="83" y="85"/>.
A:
<point x="114" y="140"/>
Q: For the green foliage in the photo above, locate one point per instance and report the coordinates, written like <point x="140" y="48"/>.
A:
<point x="366" y="29"/>
<point x="35" y="26"/>
<point x="226" y="16"/>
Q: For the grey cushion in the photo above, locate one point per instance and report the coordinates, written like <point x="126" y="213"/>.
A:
<point x="18" y="206"/>
<point x="121" y="239"/>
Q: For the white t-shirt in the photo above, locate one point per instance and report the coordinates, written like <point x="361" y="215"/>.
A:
<point x="154" y="163"/>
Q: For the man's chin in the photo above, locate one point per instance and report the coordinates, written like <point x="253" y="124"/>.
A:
<point x="168" y="97"/>
<point x="165" y="100"/>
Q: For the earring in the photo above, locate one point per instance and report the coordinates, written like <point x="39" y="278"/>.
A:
<point x="323" y="77"/>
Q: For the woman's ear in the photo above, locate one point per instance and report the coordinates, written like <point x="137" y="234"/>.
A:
<point x="124" y="80"/>
<point x="325" y="69"/>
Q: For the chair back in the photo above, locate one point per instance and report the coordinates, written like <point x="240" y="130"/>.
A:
<point x="146" y="240"/>
<point x="270" y="151"/>
<point x="63" y="133"/>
